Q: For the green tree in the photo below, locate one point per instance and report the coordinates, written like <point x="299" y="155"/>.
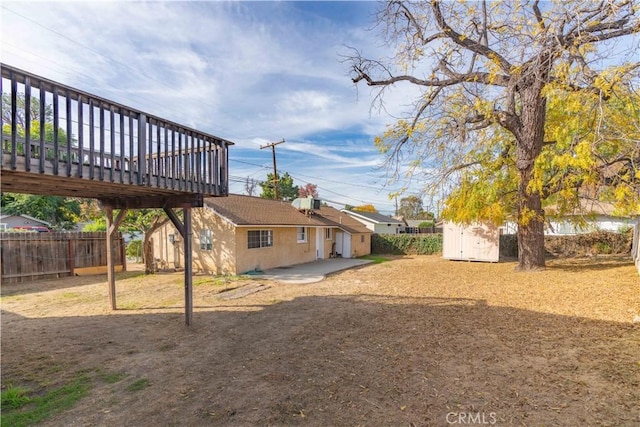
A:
<point x="36" y="125"/>
<point x="62" y="212"/>
<point x="286" y="189"/>
<point x="144" y="221"/>
<point x="484" y="72"/>
<point x="34" y="109"/>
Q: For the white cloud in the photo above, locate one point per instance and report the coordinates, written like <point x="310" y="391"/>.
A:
<point x="249" y="72"/>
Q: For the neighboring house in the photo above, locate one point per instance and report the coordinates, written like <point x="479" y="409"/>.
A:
<point x="590" y="216"/>
<point x="377" y="223"/>
<point x="237" y="234"/>
<point x="24" y="222"/>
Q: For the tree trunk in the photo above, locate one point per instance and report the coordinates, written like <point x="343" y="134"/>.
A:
<point x="529" y="145"/>
<point x="530" y="226"/>
<point x="147" y="251"/>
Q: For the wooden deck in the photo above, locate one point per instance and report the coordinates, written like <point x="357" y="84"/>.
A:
<point x="58" y="140"/>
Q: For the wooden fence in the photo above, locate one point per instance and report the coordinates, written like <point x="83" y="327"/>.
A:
<point x="32" y="256"/>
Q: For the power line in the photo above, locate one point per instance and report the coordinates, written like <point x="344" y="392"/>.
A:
<point x="313" y="177"/>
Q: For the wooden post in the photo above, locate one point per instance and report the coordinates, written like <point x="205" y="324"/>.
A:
<point x="123" y="253"/>
<point x="188" y="267"/>
<point x="72" y="257"/>
<point x="112" y="227"/>
<point x="111" y="274"/>
<point x="188" y="275"/>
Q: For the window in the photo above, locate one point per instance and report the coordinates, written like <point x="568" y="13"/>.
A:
<point x="362" y="238"/>
<point x="206" y="240"/>
<point x="259" y="238"/>
<point x="302" y="234"/>
<point x="327" y="234"/>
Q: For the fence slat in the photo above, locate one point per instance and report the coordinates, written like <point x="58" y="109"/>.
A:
<point x="32" y="256"/>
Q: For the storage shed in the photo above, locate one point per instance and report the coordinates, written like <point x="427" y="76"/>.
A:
<point x="475" y="242"/>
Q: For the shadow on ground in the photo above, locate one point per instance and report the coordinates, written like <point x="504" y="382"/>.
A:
<point x="339" y="360"/>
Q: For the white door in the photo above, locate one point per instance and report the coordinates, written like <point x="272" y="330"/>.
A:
<point x="346" y="245"/>
<point x="339" y="235"/>
<point x="319" y="243"/>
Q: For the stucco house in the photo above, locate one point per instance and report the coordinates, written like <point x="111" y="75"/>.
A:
<point x="377" y="223"/>
<point x="237" y="234"/>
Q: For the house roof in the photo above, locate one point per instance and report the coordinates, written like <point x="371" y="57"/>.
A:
<point x="373" y="217"/>
<point x="27" y="217"/>
<point x="247" y="211"/>
<point x="341" y="220"/>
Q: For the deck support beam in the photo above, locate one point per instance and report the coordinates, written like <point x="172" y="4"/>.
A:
<point x="184" y="228"/>
<point x="112" y="228"/>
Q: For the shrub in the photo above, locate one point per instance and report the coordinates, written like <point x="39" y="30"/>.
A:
<point x="406" y="244"/>
<point x="134" y="249"/>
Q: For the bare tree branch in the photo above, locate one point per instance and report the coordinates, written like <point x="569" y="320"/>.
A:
<point x="468" y="43"/>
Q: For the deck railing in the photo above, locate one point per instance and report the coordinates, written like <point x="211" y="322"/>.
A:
<point x="50" y="128"/>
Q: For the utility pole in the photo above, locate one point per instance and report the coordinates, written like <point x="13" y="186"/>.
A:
<point x="275" y="170"/>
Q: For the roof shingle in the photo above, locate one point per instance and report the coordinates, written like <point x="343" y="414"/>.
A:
<point x="255" y="211"/>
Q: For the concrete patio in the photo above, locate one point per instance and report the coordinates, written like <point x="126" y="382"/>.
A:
<point x="312" y="272"/>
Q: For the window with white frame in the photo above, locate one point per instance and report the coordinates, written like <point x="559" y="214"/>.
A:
<point x="206" y="240"/>
<point x="327" y="233"/>
<point x="259" y="238"/>
<point x="302" y="234"/>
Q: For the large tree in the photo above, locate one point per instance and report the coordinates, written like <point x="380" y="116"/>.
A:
<point x="286" y="189"/>
<point x="34" y="109"/>
<point x="411" y="208"/>
<point x="145" y="221"/>
<point x="484" y="72"/>
<point x="61" y="212"/>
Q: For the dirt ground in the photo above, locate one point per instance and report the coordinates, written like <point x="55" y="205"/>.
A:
<point x="416" y="341"/>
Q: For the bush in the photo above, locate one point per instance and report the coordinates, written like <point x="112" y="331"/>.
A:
<point x="406" y="244"/>
<point x="598" y="242"/>
<point x="134" y="249"/>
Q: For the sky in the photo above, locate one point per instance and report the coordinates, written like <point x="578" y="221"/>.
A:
<point x="249" y="72"/>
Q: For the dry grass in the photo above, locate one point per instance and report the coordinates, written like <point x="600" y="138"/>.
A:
<point x="404" y="342"/>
